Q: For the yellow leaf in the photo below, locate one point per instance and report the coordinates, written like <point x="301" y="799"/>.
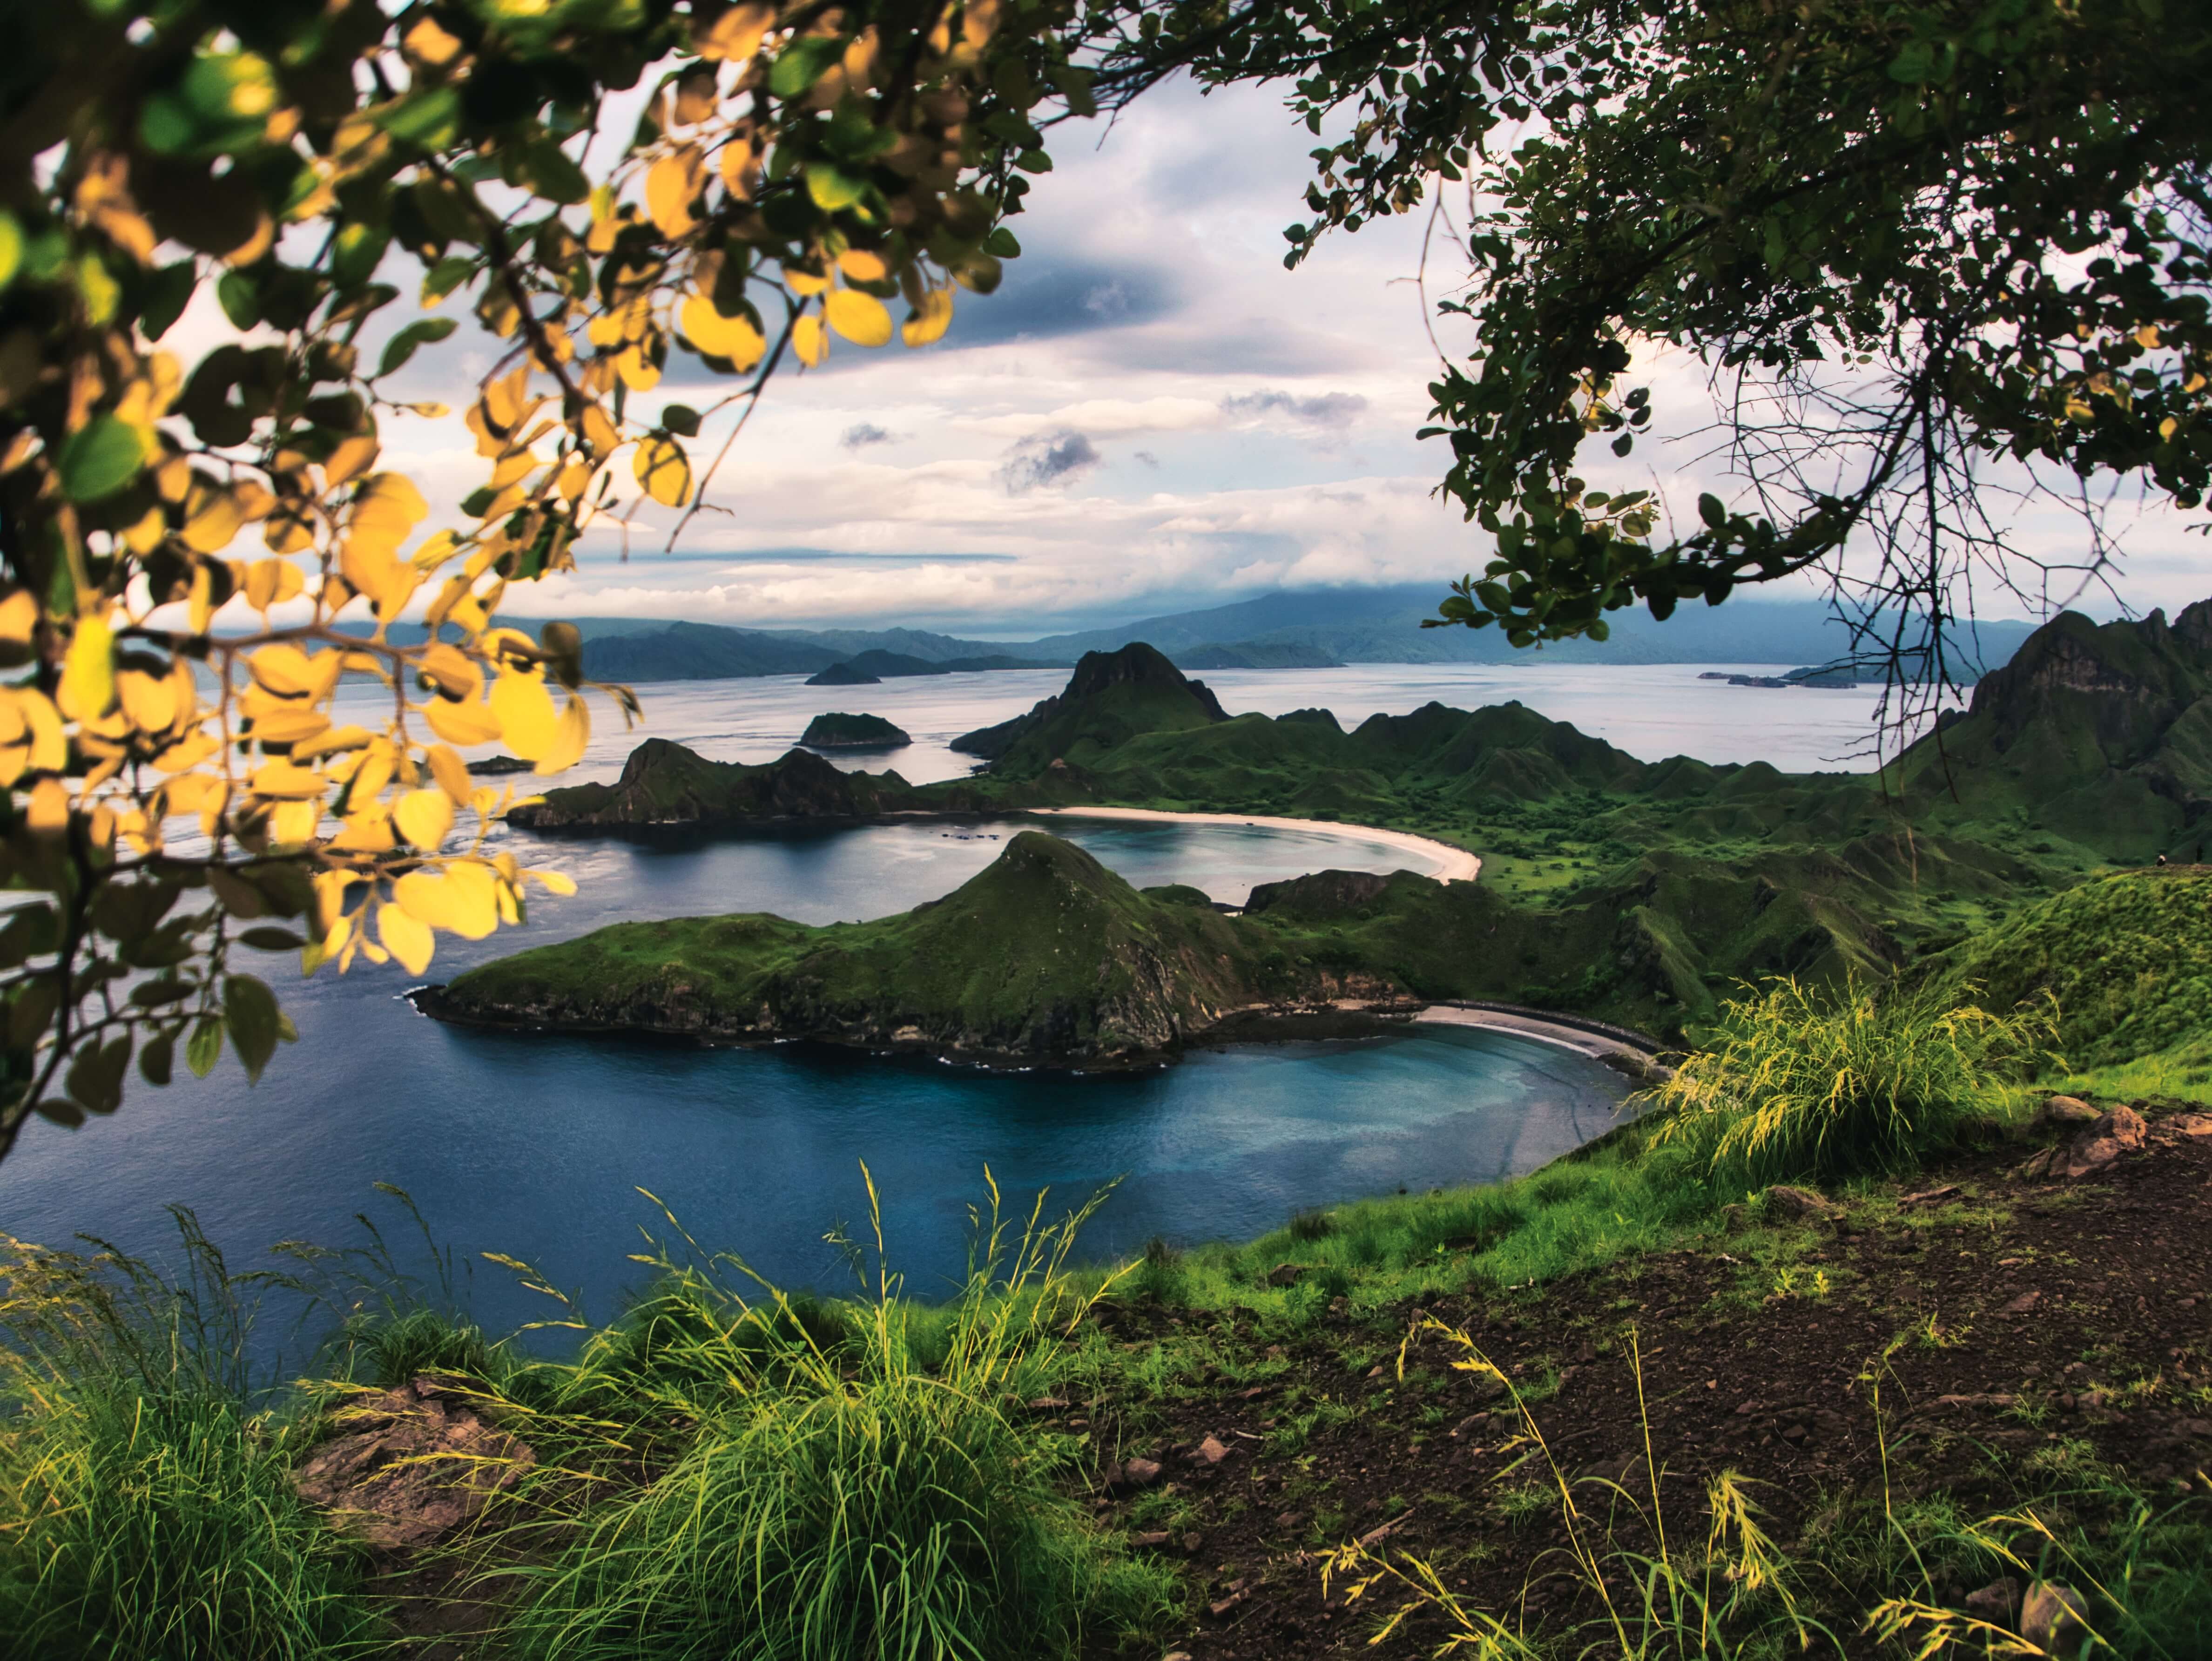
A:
<point x="212" y="520"/>
<point x="353" y="457"/>
<point x="452" y="773"/>
<point x="570" y="741"/>
<point x="335" y="741"/>
<point x="639" y="373"/>
<point x="150" y="702"/>
<point x="804" y="284"/>
<point x="525" y="710"/>
<point x="861" y="317"/>
<point x="368" y="831"/>
<point x="862" y="266"/>
<point x="810" y="341"/>
<point x="716" y="335"/>
<point x="405" y="937"/>
<point x="575" y="478"/>
<point x="48" y="810"/>
<point x="553" y="881"/>
<point x="736" y="33"/>
<point x="663" y="470"/>
<point x="601" y="434"/>
<point x="87" y="687"/>
<point x="388" y="508"/>
<point x="294" y="726"/>
<point x="424" y="817"/>
<point x="284" y="669"/>
<point x="19" y="616"/>
<point x="269" y="582"/>
<point x="931" y="318"/>
<point x="284" y="781"/>
<point x="738" y="168"/>
<point x="464" y="900"/>
<point x="670" y="186"/>
<point x="184" y="754"/>
<point x="295" y="822"/>
<point x="462" y="723"/>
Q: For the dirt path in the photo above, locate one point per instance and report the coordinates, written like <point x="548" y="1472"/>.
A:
<point x="1453" y="864"/>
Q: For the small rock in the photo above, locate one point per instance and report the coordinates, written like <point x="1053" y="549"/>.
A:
<point x="1238" y="1591"/>
<point x="1289" y="1519"/>
<point x="2022" y="1305"/>
<point x="1801" y="1204"/>
<point x="413" y="1464"/>
<point x="1137" y="1473"/>
<point x="1211" y="1451"/>
<point x="1177" y="1655"/>
<point x="1047" y="1404"/>
<point x="2053" y="1617"/>
<point x="1375" y="1371"/>
<point x="2192" y="1124"/>
<point x="1285" y="1274"/>
<point x="2067" y="1110"/>
<point x="1192" y="1543"/>
<point x="1150" y="1540"/>
<point x="1998" y="1603"/>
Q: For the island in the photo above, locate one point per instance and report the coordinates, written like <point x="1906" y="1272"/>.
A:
<point x="843" y="674"/>
<point x="839" y="730"/>
<point x="1044" y="958"/>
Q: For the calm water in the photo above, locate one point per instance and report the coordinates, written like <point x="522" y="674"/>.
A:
<point x="536" y="1147"/>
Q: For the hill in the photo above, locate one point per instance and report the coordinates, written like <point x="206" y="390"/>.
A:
<point x="664" y="785"/>
<point x="1112" y="698"/>
<point x="2128" y="957"/>
<point x="839" y="730"/>
<point x="1044" y="957"/>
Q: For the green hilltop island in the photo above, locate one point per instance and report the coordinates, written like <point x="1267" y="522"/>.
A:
<point x="839" y="730"/>
<point x="1637" y="893"/>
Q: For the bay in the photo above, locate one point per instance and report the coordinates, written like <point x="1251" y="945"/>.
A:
<point x="537" y="1147"/>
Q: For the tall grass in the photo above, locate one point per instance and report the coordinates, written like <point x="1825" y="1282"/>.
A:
<point x="826" y="1490"/>
<point x="1803" y="1083"/>
<point x="146" y="1513"/>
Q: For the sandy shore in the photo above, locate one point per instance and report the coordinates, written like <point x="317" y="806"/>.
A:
<point x="1525" y="1026"/>
<point x="1453" y="864"/>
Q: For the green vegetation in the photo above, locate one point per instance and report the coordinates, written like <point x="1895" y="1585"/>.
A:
<point x="146" y="1509"/>
<point x="1800" y="1083"/>
<point x="1045" y="955"/>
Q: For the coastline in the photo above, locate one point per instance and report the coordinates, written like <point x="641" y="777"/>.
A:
<point x="1456" y="864"/>
<point x="1525" y="1026"/>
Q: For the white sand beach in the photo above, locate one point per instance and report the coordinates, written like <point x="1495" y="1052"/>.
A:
<point x="1452" y="864"/>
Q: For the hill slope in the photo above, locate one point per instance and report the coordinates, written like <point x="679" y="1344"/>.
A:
<point x="1044" y="957"/>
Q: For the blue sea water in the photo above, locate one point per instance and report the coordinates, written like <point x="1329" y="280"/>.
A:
<point x="537" y="1147"/>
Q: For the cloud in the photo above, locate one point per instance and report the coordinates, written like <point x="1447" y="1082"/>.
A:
<point x="1334" y="410"/>
<point x="1046" y="458"/>
<point x="862" y="433"/>
<point x="1148" y="457"/>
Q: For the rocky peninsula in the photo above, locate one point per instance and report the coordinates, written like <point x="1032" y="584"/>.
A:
<point x="1044" y="958"/>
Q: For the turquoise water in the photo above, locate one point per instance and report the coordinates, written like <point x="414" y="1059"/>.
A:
<point x="537" y="1146"/>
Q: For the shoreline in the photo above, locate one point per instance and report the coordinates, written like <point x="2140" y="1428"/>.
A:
<point x="1533" y="1027"/>
<point x="1457" y="864"/>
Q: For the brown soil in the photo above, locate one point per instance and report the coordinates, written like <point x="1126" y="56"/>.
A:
<point x="2015" y="1325"/>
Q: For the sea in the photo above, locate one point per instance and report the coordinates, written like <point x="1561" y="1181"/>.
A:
<point x="465" y="1152"/>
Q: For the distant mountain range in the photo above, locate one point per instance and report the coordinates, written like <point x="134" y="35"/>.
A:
<point x="1304" y="630"/>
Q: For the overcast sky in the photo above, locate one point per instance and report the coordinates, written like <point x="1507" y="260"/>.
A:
<point x="1149" y="414"/>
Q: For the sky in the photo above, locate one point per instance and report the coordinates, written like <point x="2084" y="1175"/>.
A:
<point x="1149" y="414"/>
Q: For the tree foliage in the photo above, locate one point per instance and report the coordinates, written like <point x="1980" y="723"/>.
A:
<point x="1911" y="242"/>
<point x="201" y="558"/>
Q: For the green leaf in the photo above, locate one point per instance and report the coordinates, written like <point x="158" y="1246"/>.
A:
<point x="1711" y="510"/>
<point x="548" y="170"/>
<point x="164" y="294"/>
<point x="356" y="252"/>
<point x="680" y="419"/>
<point x="158" y="1058"/>
<point x="249" y="1009"/>
<point x="95" y="1077"/>
<point x="205" y="1047"/>
<point x="447" y="275"/>
<point x="803" y="62"/>
<point x="429" y="120"/>
<point x="831" y="188"/>
<point x="271" y="940"/>
<point x="61" y="1112"/>
<point x="422" y="331"/>
<point x="240" y="297"/>
<point x="1001" y="243"/>
<point x="1033" y="160"/>
<point x="100" y="457"/>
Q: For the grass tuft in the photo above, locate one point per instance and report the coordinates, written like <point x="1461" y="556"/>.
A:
<point x="1802" y="1083"/>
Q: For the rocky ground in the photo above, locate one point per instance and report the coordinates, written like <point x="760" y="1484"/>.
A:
<point x="2009" y="1322"/>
